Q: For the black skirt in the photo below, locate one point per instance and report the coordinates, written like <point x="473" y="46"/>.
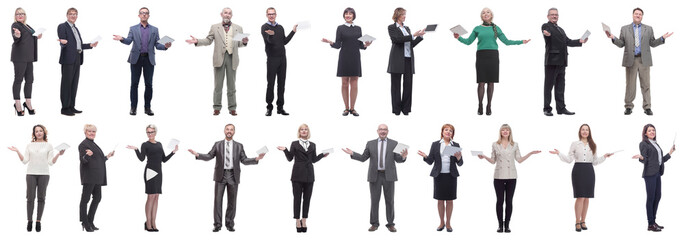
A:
<point x="154" y="185"/>
<point x="445" y="187"/>
<point x="583" y="180"/>
<point x="487" y="66"/>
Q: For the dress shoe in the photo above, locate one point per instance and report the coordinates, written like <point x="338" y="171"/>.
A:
<point x="353" y="112"/>
<point x="565" y="111"/>
<point x="372" y="228"/>
<point x="479" y="109"/>
<point x="391" y="228"/>
<point x="346" y="112"/>
<point x="94" y="227"/>
<point x="29" y="226"/>
<point x="86" y="227"/>
<point x="230" y="229"/>
<point x="548" y="113"/>
<point x="654" y="228"/>
<point x="133" y="112"/>
<point x="405" y="113"/>
<point x="439" y="229"/>
<point x="217" y="112"/>
<point x="488" y="110"/>
<point x="269" y="112"/>
<point x="661" y="227"/>
<point x="38" y="227"/>
<point x="31" y="111"/>
<point x="578" y="227"/>
<point x="283" y="112"/>
<point x="233" y="112"/>
<point x="450" y="229"/>
<point x="76" y="110"/>
<point x="216" y="229"/>
<point x="628" y="111"/>
<point x="147" y="229"/>
<point x="648" y="112"/>
<point x="583" y="225"/>
<point x="149" y="112"/>
<point x="68" y="113"/>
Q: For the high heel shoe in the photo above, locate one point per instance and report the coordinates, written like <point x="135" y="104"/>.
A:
<point x="29" y="226"/>
<point x="303" y="227"/>
<point x="489" y="110"/>
<point x="147" y="229"/>
<point x="38" y="227"/>
<point x="583" y="225"/>
<point x="479" y="109"/>
<point x="87" y="227"/>
<point x="31" y="111"/>
<point x="578" y="227"/>
<point x="19" y="113"/>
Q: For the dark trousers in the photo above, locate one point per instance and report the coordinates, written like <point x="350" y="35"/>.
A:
<point x="228" y="182"/>
<point x="94" y="190"/>
<point x="376" y="188"/>
<point x="299" y="189"/>
<point x="69" y="86"/>
<point x="275" y="66"/>
<point x="554" y="78"/>
<point x="652" y="197"/>
<point x="143" y="66"/>
<point x="402" y="102"/>
<point x="504" y="188"/>
<point x="36" y="183"/>
<point x="22" y="70"/>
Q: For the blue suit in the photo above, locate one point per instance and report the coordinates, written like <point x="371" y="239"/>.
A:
<point x="134" y="36"/>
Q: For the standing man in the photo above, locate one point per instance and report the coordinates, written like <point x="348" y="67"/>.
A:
<point x="555" y="61"/>
<point x="93" y="176"/>
<point x="637" y="39"/>
<point x="276" y="62"/>
<point x="229" y="154"/>
<point x="71" y="58"/>
<point x="145" y="38"/>
<point x="382" y="173"/>
<point x="226" y="58"/>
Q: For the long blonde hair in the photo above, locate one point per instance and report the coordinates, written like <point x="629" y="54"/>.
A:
<point x="510" y="134"/>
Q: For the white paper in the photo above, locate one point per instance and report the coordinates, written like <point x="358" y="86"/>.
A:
<point x="400" y="148"/>
<point x="149" y="174"/>
<point x="165" y="40"/>
<point x="450" y="150"/>
<point x="674" y="140"/>
<point x="39" y="31"/>
<point x="240" y="36"/>
<point x="96" y="39"/>
<point x="606" y="28"/>
<point x="173" y="143"/>
<point x="366" y="38"/>
<point x="328" y="151"/>
<point x="586" y="35"/>
<point x="303" y="25"/>
<point x="62" y="146"/>
<point x="476" y="153"/>
<point x="261" y="150"/>
<point x="617" y="151"/>
<point x="458" y="29"/>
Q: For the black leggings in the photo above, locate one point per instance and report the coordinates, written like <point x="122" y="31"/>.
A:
<point x="505" y="188"/>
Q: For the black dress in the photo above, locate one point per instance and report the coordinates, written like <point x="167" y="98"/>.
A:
<point x="155" y="156"/>
<point x="349" y="62"/>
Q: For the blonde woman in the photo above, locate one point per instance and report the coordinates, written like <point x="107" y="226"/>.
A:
<point x="24" y="53"/>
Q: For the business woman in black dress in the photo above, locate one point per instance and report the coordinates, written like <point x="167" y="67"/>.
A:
<point x="24" y="53"/>
<point x="654" y="166"/>
<point x="154" y="151"/>
<point x="349" y="62"/>
<point x="401" y="61"/>
<point x="303" y="152"/>
<point x="445" y="174"/>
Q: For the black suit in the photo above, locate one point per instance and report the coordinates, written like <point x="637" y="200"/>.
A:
<point x="435" y="158"/>
<point x="302" y="174"/>
<point x="555" y="61"/>
<point x="653" y="169"/>
<point x="276" y="62"/>
<point x="24" y="53"/>
<point x="444" y="184"/>
<point x="71" y="60"/>
<point x="93" y="176"/>
<point x="398" y="65"/>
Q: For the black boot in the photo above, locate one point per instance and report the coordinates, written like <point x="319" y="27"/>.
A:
<point x="500" y="229"/>
<point x="29" y="226"/>
<point x="506" y="223"/>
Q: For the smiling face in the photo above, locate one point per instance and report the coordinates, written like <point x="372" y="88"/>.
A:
<point x="39" y="133"/>
<point x="637" y="15"/>
<point x="226" y="15"/>
<point x="383" y="130"/>
<point x="585" y="132"/>
<point x="229" y="131"/>
<point x="651" y="133"/>
<point x="20" y="15"/>
<point x="447" y="133"/>
<point x="349" y="17"/>
<point x="151" y="133"/>
<point x="402" y="17"/>
<point x="90" y="133"/>
<point x="144" y="15"/>
<point x="505" y="133"/>
<point x="271" y="15"/>
<point x="553" y="16"/>
<point x="72" y="16"/>
<point x="486" y="15"/>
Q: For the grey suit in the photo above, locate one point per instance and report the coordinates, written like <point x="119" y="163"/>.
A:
<point x="637" y="64"/>
<point x="380" y="180"/>
<point x="225" y="178"/>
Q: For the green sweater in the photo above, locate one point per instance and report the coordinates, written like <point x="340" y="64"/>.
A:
<point x="486" y="39"/>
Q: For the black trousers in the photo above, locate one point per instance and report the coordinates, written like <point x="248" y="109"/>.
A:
<point x="554" y="78"/>
<point x="505" y="188"/>
<point x="299" y="190"/>
<point x="401" y="102"/>
<point x="143" y="66"/>
<point x="275" y="67"/>
<point x="652" y="197"/>
<point x="69" y="86"/>
<point x="94" y="190"/>
<point x="22" y="70"/>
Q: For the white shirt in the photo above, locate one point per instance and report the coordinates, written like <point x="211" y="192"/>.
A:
<point x="305" y="144"/>
<point x="349" y="24"/>
<point x="660" y="151"/>
<point x="407" y="45"/>
<point x="446" y="160"/>
<point x="228" y="153"/>
<point x="38" y="156"/>
<point x="581" y="153"/>
<point x="382" y="155"/>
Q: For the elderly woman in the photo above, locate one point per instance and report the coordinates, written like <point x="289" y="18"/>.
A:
<point x="24" y="53"/>
<point x="39" y="156"/>
<point x="401" y="61"/>
<point x="93" y="176"/>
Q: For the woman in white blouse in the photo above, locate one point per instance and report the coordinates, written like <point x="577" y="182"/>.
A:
<point x="39" y="156"/>
<point x="583" y="153"/>
<point x="504" y="153"/>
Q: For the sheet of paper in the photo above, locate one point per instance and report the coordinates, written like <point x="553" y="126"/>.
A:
<point x="476" y="153"/>
<point x="261" y="150"/>
<point x="149" y="174"/>
<point x="458" y="29"/>
<point x="328" y="151"/>
<point x="606" y="28"/>
<point x="400" y="148"/>
<point x="674" y="140"/>
<point x="96" y="39"/>
<point x="62" y="146"/>
<point x="172" y="144"/>
<point x="450" y="150"/>
<point x="303" y="25"/>
<point x="617" y="151"/>
<point x="431" y="28"/>
<point x="240" y="36"/>
<point x="166" y="39"/>
<point x="586" y="35"/>
<point x="366" y="38"/>
<point x="39" y="31"/>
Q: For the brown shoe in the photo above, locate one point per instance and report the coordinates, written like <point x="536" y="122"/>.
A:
<point x="232" y="112"/>
<point x="391" y="228"/>
<point x="217" y="112"/>
<point x="373" y="228"/>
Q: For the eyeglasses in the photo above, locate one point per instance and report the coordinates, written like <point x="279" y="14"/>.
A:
<point x="150" y="132"/>
<point x="145" y="13"/>
<point x="20" y="14"/>
<point x="72" y="14"/>
<point x="271" y="14"/>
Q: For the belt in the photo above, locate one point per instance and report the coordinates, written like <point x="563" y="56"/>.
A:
<point x="637" y="55"/>
<point x="144" y="54"/>
<point x="227" y="170"/>
<point x="381" y="171"/>
<point x="79" y="51"/>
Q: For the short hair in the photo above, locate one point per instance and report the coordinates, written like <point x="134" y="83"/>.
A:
<point x="71" y="10"/>
<point x="19" y="10"/>
<point x="510" y="134"/>
<point x="638" y="9"/>
<point x="270" y="8"/>
<point x="490" y="11"/>
<point x="148" y="10"/>
<point x="447" y="126"/>
<point x="300" y="128"/>
<point x="398" y="12"/>
<point x="230" y="124"/>
<point x="33" y="133"/>
<point x="349" y="10"/>
<point x="226" y="8"/>
<point x="643" y="133"/>
<point x="552" y="9"/>
<point x="152" y="126"/>
<point x="89" y="127"/>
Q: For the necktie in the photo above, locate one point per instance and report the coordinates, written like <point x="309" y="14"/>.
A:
<point x="382" y="153"/>
<point x="228" y="163"/>
<point x="637" y="40"/>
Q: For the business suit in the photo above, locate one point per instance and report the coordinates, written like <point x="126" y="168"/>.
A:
<point x="445" y="184"/>
<point x="71" y="59"/>
<point x="302" y="173"/>
<point x="637" y="64"/>
<point x="555" y="61"/>
<point x="653" y="169"/>
<point x="226" y="179"/>
<point x="276" y="62"/>
<point x="93" y="171"/>
<point x="381" y="180"/>
<point x="142" y="61"/>
<point x="400" y="64"/>
<point x="24" y="53"/>
<point x="225" y="60"/>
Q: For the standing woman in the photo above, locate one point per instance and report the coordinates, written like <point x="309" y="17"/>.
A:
<point x="304" y="153"/>
<point x="24" y="53"/>
<point x="487" y="58"/>
<point x="445" y="174"/>
<point x="39" y="156"/>
<point x="504" y="153"/>
<point x="93" y="169"/>
<point x="401" y="61"/>
<point x="349" y="62"/>
<point x="154" y="151"/>
<point x="654" y="166"/>
<point x="583" y="153"/>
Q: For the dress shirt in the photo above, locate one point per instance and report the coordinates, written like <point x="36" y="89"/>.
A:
<point x="382" y="144"/>
<point x="272" y="25"/>
<point x="446" y="160"/>
<point x="38" y="156"/>
<point x="228" y="152"/>
<point x="581" y="153"/>
<point x="144" y="37"/>
<point x="76" y="35"/>
<point x="637" y="30"/>
<point x="660" y="151"/>
<point x="407" y="45"/>
<point x="505" y="160"/>
<point x="305" y="144"/>
<point x="349" y="24"/>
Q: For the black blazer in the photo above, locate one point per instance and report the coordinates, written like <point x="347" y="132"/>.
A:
<point x="68" y="53"/>
<point x="396" y="59"/>
<point x="557" y="45"/>
<point x="651" y="165"/>
<point x="93" y="168"/>
<point x="218" y="151"/>
<point x="436" y="158"/>
<point x="24" y="48"/>
<point x="302" y="170"/>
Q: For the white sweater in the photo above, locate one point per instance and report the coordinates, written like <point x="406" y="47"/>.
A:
<point x="38" y="156"/>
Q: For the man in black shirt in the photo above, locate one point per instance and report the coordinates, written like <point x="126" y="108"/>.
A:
<point x="276" y="63"/>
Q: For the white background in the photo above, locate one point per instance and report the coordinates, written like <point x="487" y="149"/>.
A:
<point x="444" y="92"/>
